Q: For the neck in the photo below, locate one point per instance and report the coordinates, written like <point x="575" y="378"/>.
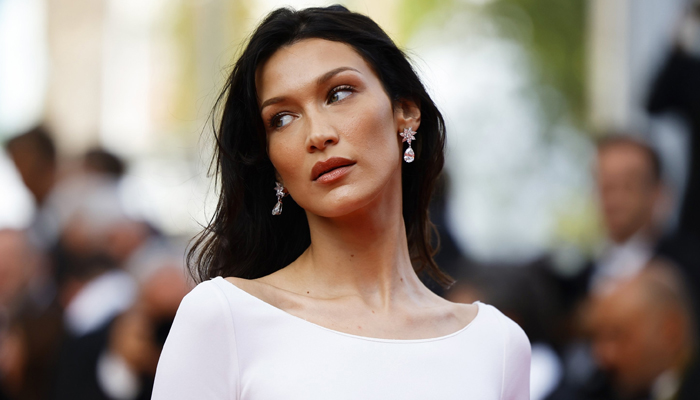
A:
<point x="362" y="254"/>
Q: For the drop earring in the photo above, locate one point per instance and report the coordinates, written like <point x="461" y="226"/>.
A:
<point x="279" y="188"/>
<point x="408" y="135"/>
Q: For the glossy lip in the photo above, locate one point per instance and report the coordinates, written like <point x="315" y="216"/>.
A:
<point x="322" y="168"/>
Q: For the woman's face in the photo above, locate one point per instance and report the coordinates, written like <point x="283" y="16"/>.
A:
<point x="332" y="130"/>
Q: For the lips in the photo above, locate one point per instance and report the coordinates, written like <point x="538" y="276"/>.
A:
<point x="324" y="167"/>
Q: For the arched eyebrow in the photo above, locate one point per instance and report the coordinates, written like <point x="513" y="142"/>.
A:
<point x="321" y="80"/>
<point x="328" y="75"/>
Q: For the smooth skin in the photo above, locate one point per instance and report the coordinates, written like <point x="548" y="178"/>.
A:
<point x="320" y="99"/>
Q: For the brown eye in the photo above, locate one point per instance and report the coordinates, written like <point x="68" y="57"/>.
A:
<point x="281" y="120"/>
<point x="339" y="93"/>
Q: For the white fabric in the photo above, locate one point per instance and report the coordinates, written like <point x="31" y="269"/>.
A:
<point x="100" y="300"/>
<point x="227" y="344"/>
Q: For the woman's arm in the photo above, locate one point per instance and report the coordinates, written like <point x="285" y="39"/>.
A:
<point x="516" y="362"/>
<point x="199" y="359"/>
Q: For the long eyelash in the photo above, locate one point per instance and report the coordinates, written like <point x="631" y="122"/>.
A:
<point x="340" y="88"/>
<point x="273" y="120"/>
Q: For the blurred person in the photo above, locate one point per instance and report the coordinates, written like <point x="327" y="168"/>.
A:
<point x="15" y="271"/>
<point x="118" y="297"/>
<point x="91" y="188"/>
<point x="17" y="265"/>
<point x="93" y="293"/>
<point x="100" y="161"/>
<point x="634" y="209"/>
<point x="88" y="198"/>
<point x="34" y="156"/>
<point x="96" y="236"/>
<point x="30" y="331"/>
<point x="321" y="299"/>
<point x="138" y="336"/>
<point x="118" y="360"/>
<point x="75" y="214"/>
<point x="91" y="288"/>
<point x="89" y="241"/>
<point x="632" y="206"/>
<point x="644" y="336"/>
<point x="133" y="244"/>
<point x="630" y="192"/>
<point x="676" y="89"/>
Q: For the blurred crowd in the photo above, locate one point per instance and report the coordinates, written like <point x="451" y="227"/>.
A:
<point x="624" y="323"/>
<point x="87" y="292"/>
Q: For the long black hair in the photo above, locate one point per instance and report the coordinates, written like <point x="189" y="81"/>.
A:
<point x="243" y="239"/>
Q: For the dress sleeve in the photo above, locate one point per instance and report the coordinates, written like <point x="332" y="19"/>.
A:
<point x="199" y="358"/>
<point x="516" y="362"/>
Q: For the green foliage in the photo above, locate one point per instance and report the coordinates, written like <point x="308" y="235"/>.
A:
<point x="552" y="31"/>
<point x="413" y="14"/>
<point x="556" y="43"/>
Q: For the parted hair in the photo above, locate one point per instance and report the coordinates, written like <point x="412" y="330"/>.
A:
<point x="243" y="239"/>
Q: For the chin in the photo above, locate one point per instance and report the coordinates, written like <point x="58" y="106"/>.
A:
<point x="338" y="208"/>
<point x="340" y="202"/>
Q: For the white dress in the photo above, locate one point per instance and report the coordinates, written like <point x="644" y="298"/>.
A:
<point x="228" y="344"/>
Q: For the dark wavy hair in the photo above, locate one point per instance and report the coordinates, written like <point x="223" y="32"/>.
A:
<point x="243" y="239"/>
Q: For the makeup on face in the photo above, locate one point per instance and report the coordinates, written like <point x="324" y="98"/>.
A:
<point x="331" y="128"/>
<point x="331" y="170"/>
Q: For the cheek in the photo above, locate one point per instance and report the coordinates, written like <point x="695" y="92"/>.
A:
<point x="286" y="156"/>
<point x="372" y="130"/>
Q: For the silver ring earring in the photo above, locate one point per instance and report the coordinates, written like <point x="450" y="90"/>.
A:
<point x="279" y="188"/>
<point x="408" y="135"/>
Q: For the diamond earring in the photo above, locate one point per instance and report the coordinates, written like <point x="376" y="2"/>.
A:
<point x="408" y="135"/>
<point x="280" y="193"/>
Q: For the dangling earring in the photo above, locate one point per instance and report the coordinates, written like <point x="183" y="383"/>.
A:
<point x="280" y="193"/>
<point x="408" y="135"/>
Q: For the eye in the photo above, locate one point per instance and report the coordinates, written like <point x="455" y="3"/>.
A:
<point x="281" y="120"/>
<point x="339" y="93"/>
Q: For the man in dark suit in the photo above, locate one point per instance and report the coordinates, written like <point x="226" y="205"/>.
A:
<point x="644" y="336"/>
<point x="676" y="89"/>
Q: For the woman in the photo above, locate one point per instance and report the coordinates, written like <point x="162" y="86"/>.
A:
<point x="321" y="299"/>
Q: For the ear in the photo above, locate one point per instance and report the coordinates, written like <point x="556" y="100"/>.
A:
<point x="407" y="114"/>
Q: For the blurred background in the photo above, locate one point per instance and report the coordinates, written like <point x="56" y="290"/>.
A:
<point x="568" y="199"/>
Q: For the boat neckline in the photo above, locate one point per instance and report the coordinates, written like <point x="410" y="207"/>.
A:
<point x="350" y="335"/>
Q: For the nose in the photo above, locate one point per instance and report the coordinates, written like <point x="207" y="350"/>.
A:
<point x="321" y="135"/>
